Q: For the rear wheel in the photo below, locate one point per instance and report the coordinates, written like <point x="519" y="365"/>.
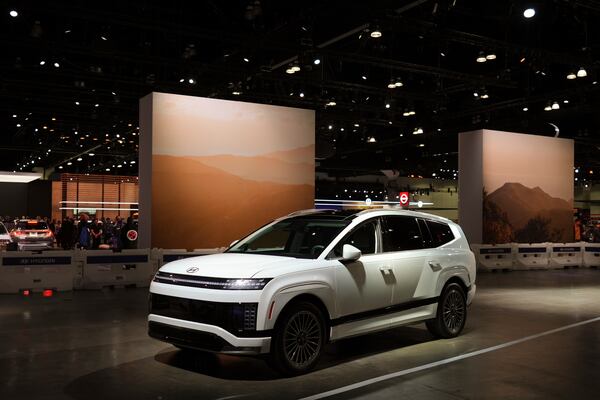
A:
<point x="451" y="313"/>
<point x="298" y="339"/>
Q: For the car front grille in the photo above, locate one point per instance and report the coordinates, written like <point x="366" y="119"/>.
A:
<point x="236" y="318"/>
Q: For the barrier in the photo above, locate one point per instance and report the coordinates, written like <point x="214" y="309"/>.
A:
<point x="532" y="256"/>
<point x="103" y="268"/>
<point x="564" y="255"/>
<point x="591" y="255"/>
<point x="494" y="257"/>
<point x="27" y="270"/>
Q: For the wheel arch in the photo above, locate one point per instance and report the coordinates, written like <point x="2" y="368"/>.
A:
<point x="457" y="274"/>
<point x="310" y="298"/>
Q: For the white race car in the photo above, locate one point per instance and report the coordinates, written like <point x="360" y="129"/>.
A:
<point x="313" y="277"/>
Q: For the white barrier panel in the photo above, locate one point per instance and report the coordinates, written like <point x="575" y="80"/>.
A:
<point x="591" y="255"/>
<point x="565" y="255"/>
<point x="491" y="257"/>
<point x="167" y="256"/>
<point x="26" y="270"/>
<point x="532" y="256"/>
<point x="127" y="268"/>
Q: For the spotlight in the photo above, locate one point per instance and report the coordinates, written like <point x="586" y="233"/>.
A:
<point x="387" y="105"/>
<point x="330" y="103"/>
<point x="76" y="103"/>
<point x="236" y="93"/>
<point x="246" y="59"/>
<point x="582" y="73"/>
<point x="191" y="81"/>
<point x="42" y="62"/>
<point x="295" y="67"/>
<point x="399" y="82"/>
<point x="490" y="56"/>
<point x="376" y="33"/>
<point x="317" y="61"/>
<point x="485" y="96"/>
<point x="181" y="80"/>
<point x="60" y="167"/>
<point x="79" y="159"/>
<point x="529" y="13"/>
<point x="372" y="139"/>
<point x="301" y="94"/>
<point x="56" y="65"/>
<point x="548" y="107"/>
<point x="392" y="84"/>
<point x="13" y="13"/>
<point x="555" y="106"/>
<point x="364" y="77"/>
<point x="525" y="109"/>
<point x="290" y="71"/>
<point x="69" y="163"/>
<point x="571" y="75"/>
<point x="481" y="57"/>
<point x="418" y="131"/>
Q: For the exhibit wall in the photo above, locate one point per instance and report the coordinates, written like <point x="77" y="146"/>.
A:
<point x="525" y="183"/>
<point x="211" y="171"/>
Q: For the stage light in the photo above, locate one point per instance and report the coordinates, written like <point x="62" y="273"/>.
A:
<point x="418" y="131"/>
<point x="582" y="73"/>
<point x="56" y="65"/>
<point x="529" y="13"/>
<point x="191" y="81"/>
<point x="236" y="93"/>
<point x="387" y="105"/>
<point x="548" y="107"/>
<point x="60" y="167"/>
<point x="13" y="13"/>
<point x="18" y="125"/>
<point x="104" y="38"/>
<point x="42" y="62"/>
<point x="491" y="56"/>
<point x="555" y="106"/>
<point x="485" y="96"/>
<point x="76" y="103"/>
<point x="317" y="61"/>
<point x="566" y="101"/>
<point x="181" y="80"/>
<point x="376" y="33"/>
<point x="571" y="75"/>
<point x="391" y="85"/>
<point x="69" y="163"/>
<point x="525" y="109"/>
<point x="246" y="59"/>
<point x="295" y="67"/>
<point x="475" y="94"/>
<point x="301" y="94"/>
<point x="481" y="57"/>
<point x="96" y="105"/>
<point x="91" y="154"/>
<point x="290" y="71"/>
<point x="330" y="127"/>
<point x="372" y="139"/>
<point x="364" y="77"/>
<point x="398" y="83"/>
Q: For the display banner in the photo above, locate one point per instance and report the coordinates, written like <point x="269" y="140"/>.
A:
<point x="27" y="261"/>
<point x="211" y="171"/>
<point x="515" y="187"/>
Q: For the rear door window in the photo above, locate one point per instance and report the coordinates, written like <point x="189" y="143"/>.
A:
<point x="401" y="233"/>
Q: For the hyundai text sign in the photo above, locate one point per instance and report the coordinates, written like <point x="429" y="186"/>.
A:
<point x="404" y="199"/>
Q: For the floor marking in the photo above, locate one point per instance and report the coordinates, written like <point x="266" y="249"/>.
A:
<point x="445" y="361"/>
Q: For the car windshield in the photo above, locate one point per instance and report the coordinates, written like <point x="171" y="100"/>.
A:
<point x="31" y="225"/>
<point x="299" y="237"/>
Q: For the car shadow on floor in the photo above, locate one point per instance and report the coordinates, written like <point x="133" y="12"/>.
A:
<point x="256" y="369"/>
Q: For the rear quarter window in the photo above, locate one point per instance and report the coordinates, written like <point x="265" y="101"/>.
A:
<point x="441" y="233"/>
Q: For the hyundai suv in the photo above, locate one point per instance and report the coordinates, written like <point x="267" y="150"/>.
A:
<point x="314" y="277"/>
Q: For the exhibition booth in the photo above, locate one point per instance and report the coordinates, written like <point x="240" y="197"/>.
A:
<point x="210" y="171"/>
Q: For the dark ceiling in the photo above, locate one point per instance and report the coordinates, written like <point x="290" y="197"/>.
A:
<point x="99" y="58"/>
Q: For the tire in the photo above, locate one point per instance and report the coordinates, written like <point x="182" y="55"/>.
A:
<point x="451" y="313"/>
<point x="298" y="339"/>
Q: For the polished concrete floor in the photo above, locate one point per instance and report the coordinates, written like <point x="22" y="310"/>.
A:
<point x="93" y="345"/>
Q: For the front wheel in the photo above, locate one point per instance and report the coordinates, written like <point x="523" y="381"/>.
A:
<point x="298" y="339"/>
<point x="451" y="313"/>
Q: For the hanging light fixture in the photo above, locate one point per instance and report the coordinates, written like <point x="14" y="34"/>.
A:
<point x="392" y="84"/>
<point x="571" y="75"/>
<point x="529" y="13"/>
<point x="490" y="56"/>
<point x="548" y="107"/>
<point x="398" y="83"/>
<point x="555" y="106"/>
<point x="582" y="73"/>
<point x="481" y="57"/>
<point x="376" y="32"/>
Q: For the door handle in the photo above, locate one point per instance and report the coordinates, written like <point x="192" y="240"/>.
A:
<point x="385" y="270"/>
<point x="435" y="266"/>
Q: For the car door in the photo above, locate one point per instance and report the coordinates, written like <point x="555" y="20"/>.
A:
<point x="363" y="288"/>
<point x="404" y="248"/>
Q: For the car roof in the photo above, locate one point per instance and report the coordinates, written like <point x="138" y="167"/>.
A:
<point x="362" y="214"/>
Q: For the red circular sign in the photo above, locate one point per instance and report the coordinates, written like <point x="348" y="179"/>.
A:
<point x="403" y="198"/>
<point x="132" y="235"/>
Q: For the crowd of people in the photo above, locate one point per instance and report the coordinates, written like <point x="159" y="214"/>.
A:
<point x="89" y="233"/>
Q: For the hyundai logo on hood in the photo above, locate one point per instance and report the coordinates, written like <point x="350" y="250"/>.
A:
<point x="192" y="270"/>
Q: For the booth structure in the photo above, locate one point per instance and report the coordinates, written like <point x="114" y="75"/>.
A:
<point x="84" y="269"/>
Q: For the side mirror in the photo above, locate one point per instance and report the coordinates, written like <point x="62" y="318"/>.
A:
<point x="233" y="243"/>
<point x="350" y="253"/>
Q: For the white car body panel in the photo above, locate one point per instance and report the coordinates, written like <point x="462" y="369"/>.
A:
<point x="376" y="292"/>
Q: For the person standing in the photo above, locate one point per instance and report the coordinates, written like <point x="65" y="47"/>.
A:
<point x="83" y="232"/>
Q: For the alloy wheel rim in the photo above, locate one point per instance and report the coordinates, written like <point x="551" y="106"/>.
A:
<point x="302" y="339"/>
<point x="454" y="311"/>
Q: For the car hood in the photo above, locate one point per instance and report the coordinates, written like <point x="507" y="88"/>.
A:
<point x="230" y="265"/>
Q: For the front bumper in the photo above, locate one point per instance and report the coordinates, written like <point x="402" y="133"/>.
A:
<point x="205" y="337"/>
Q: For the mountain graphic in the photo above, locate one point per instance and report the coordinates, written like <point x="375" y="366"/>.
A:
<point x="525" y="207"/>
<point x="199" y="206"/>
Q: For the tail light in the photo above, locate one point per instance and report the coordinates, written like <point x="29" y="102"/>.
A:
<point x="19" y="233"/>
<point x="26" y="292"/>
<point x="47" y="293"/>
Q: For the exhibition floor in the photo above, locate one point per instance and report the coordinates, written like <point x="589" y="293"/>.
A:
<point x="93" y="344"/>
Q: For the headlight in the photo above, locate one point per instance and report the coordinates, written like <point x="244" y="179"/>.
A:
<point x="245" y="284"/>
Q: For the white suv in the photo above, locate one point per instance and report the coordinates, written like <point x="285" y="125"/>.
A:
<point x="313" y="277"/>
